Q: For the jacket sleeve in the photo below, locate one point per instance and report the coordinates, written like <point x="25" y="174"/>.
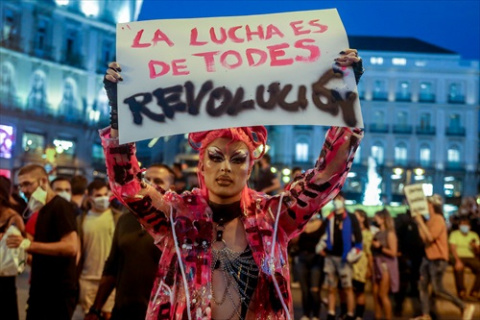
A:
<point x="317" y="186"/>
<point x="124" y="175"/>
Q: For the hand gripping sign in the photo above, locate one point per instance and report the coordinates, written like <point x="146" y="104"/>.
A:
<point x="187" y="75"/>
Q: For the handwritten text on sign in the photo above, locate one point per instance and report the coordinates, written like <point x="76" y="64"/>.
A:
<point x="190" y="75"/>
<point x="416" y="199"/>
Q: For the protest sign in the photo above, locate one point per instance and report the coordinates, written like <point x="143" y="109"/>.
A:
<point x="187" y="75"/>
<point x="416" y="199"/>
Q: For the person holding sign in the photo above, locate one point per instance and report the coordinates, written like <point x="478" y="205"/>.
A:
<point x="225" y="245"/>
<point x="434" y="235"/>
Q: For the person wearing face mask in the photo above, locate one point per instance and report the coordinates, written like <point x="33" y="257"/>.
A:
<point x="132" y="246"/>
<point x="53" y="284"/>
<point x="434" y="235"/>
<point x="342" y="245"/>
<point x="96" y="229"/>
<point x="465" y="246"/>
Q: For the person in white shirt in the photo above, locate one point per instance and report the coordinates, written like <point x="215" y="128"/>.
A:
<point x="96" y="231"/>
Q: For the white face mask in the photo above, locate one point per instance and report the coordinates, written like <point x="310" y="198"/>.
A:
<point x="338" y="204"/>
<point x="37" y="199"/>
<point x="65" y="195"/>
<point x="101" y="203"/>
<point x="464" y="228"/>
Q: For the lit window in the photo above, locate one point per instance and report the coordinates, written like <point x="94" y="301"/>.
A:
<point x="377" y="153"/>
<point x="426" y="92"/>
<point x="401" y="153"/>
<point x="9" y="25"/>
<point x="379" y="90"/>
<point x="420" y="63"/>
<point x="33" y="143"/>
<point x="453" y="154"/>
<point x="403" y="91"/>
<point x="301" y="152"/>
<point x="455" y="93"/>
<point x="399" y="61"/>
<point x="376" y="60"/>
<point x="453" y="187"/>
<point x="425" y="155"/>
<point x="64" y="146"/>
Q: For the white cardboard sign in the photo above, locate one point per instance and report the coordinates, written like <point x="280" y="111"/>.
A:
<point x="187" y="75"/>
<point x="416" y="199"/>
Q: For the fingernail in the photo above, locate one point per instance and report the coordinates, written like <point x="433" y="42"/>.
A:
<point x="119" y="69"/>
<point x="121" y="79"/>
<point x="342" y="52"/>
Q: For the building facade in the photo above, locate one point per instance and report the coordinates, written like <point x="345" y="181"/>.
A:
<point x="420" y="104"/>
<point x="53" y="55"/>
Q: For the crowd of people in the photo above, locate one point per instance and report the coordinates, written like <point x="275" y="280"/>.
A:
<point x="399" y="257"/>
<point x="83" y="246"/>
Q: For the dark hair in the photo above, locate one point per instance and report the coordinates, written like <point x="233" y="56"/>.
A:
<point x="37" y="169"/>
<point x="59" y="179"/>
<point x="267" y="158"/>
<point x="463" y="218"/>
<point x="96" y="184"/>
<point x="385" y="215"/>
<point x="176" y="165"/>
<point x="296" y="169"/>
<point x="163" y="166"/>
<point x="79" y="185"/>
<point x="4" y="197"/>
<point x="362" y="213"/>
<point x="5" y="183"/>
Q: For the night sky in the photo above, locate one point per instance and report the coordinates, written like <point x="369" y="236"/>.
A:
<point x="453" y="25"/>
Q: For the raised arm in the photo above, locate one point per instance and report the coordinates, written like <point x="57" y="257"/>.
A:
<point x="124" y="173"/>
<point x="317" y="186"/>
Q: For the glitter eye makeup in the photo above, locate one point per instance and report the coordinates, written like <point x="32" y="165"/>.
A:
<point x="239" y="157"/>
<point x="215" y="155"/>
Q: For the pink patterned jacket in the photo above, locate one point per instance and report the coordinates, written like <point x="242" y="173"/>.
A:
<point x="182" y="228"/>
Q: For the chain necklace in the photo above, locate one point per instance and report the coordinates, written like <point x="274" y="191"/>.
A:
<point x="239" y="270"/>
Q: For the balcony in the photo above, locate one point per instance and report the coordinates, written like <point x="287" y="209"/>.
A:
<point x="407" y="97"/>
<point x="455" y="131"/>
<point x="378" y="128"/>
<point x="454" y="165"/>
<point x="426" y="97"/>
<point x="456" y="99"/>
<point x="402" y="128"/>
<point x="12" y="43"/>
<point x="73" y="60"/>
<point x="425" y="130"/>
<point x="380" y="96"/>
<point x="42" y="51"/>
